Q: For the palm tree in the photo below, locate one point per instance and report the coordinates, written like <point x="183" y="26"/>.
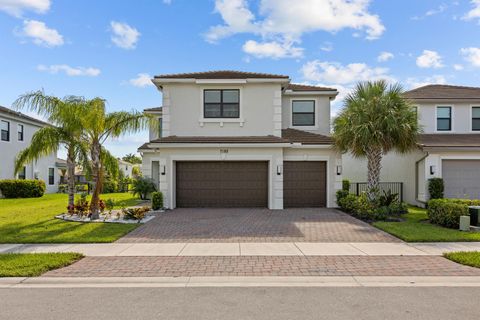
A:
<point x="99" y="126"/>
<point x="375" y="120"/>
<point x="64" y="115"/>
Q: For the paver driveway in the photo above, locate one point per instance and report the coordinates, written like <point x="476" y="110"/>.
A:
<point x="256" y="225"/>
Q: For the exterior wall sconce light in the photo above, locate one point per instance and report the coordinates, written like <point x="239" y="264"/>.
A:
<point x="433" y="169"/>
<point x="339" y="170"/>
<point x="279" y="170"/>
<point x="162" y="170"/>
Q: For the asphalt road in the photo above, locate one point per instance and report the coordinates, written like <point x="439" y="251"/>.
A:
<point x="241" y="303"/>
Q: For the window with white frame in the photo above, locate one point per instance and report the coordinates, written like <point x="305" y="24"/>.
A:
<point x="303" y="112"/>
<point x="221" y="103"/>
<point x="444" y="118"/>
<point x="5" y="130"/>
<point x="476" y="118"/>
<point x="20" y="130"/>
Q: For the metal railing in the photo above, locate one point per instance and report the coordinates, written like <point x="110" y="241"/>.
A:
<point x="394" y="187"/>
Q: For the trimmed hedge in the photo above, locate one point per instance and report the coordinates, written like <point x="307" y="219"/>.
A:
<point x="436" y="188"/>
<point x="362" y="208"/>
<point x="447" y="212"/>
<point x="157" y="200"/>
<point x="22" y="188"/>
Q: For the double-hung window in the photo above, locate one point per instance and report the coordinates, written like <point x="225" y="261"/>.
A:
<point x="5" y="130"/>
<point x="444" y="118"/>
<point x="51" y="176"/>
<point x="20" y="132"/>
<point x="22" y="174"/>
<point x="223" y="103"/>
<point x="303" y="112"/>
<point x="475" y="118"/>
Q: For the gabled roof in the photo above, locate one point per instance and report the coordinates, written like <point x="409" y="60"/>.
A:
<point x="444" y="92"/>
<point x="22" y="116"/>
<point x="450" y="140"/>
<point x="221" y="74"/>
<point x="302" y="87"/>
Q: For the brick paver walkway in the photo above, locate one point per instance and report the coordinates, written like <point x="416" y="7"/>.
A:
<point x="264" y="266"/>
<point x="256" y="225"/>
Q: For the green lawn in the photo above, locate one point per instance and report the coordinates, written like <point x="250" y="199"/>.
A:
<point x="32" y="221"/>
<point x="471" y="259"/>
<point x="34" y="264"/>
<point x="416" y="228"/>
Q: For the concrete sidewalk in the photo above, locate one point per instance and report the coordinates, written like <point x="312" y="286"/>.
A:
<point x="248" y="249"/>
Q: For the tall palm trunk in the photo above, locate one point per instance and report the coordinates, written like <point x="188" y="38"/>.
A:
<point x="71" y="176"/>
<point x="97" y="180"/>
<point x="374" y="165"/>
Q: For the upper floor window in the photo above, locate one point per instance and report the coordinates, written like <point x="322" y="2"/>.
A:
<point x="20" y="132"/>
<point x="5" y="130"/>
<point x="221" y="103"/>
<point x="475" y="118"/>
<point x="303" y="113"/>
<point x="51" y="176"/>
<point x="22" y="174"/>
<point x="444" y="118"/>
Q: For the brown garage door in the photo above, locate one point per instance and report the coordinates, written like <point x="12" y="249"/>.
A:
<point x="222" y="184"/>
<point x="304" y="184"/>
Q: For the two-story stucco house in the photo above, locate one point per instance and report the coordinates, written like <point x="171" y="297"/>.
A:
<point x="17" y="130"/>
<point x="449" y="146"/>
<point x="241" y="139"/>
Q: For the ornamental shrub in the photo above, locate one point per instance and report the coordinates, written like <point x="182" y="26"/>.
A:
<point x="447" y="212"/>
<point x="341" y="194"/>
<point x="157" y="200"/>
<point x="109" y="186"/>
<point x="346" y="185"/>
<point x="22" y="188"/>
<point x="436" y="188"/>
<point x="142" y="187"/>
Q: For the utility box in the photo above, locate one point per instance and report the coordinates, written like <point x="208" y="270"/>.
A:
<point x="474" y="212"/>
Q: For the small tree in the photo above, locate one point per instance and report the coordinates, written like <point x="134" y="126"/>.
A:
<point x="375" y="120"/>
<point x="142" y="187"/>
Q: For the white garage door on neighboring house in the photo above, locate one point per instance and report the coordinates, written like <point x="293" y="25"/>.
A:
<point x="461" y="178"/>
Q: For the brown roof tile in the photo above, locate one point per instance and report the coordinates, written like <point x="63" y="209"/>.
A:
<point x="449" y="140"/>
<point x="302" y="87"/>
<point x="446" y="92"/>
<point x="221" y="139"/>
<point x="304" y="137"/>
<point x="221" y="74"/>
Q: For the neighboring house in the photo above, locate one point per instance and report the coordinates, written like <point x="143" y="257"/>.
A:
<point x="449" y="146"/>
<point x="241" y="139"/>
<point x="126" y="168"/>
<point x="17" y="130"/>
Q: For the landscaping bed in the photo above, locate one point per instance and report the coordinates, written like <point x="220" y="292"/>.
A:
<point x="33" y="221"/>
<point x="417" y="228"/>
<point x="34" y="264"/>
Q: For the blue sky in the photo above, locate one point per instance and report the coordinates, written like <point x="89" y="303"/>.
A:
<point x="111" y="48"/>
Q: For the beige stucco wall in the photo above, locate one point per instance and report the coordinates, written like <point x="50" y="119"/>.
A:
<point x="461" y="115"/>
<point x="322" y="113"/>
<point x="395" y="168"/>
<point x="183" y="110"/>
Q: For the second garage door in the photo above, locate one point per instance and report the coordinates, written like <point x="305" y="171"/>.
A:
<point x="304" y="184"/>
<point x="461" y="178"/>
<point x="222" y="184"/>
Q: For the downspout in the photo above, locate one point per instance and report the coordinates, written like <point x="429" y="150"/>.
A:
<point x="416" y="177"/>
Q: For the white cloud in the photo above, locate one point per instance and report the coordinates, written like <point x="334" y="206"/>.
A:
<point x="441" y="8"/>
<point x="17" y="7"/>
<point x="471" y="55"/>
<point x="272" y="49"/>
<point x="124" y="36"/>
<point x="327" y="47"/>
<point x="69" y="71"/>
<point x="415" y="82"/>
<point x="41" y="34"/>
<point x="333" y="72"/>
<point x="167" y="1"/>
<point x="142" y="80"/>
<point x="284" y="24"/>
<point x="429" y="59"/>
<point x="458" y="67"/>
<point x="474" y="13"/>
<point x="385" y="56"/>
